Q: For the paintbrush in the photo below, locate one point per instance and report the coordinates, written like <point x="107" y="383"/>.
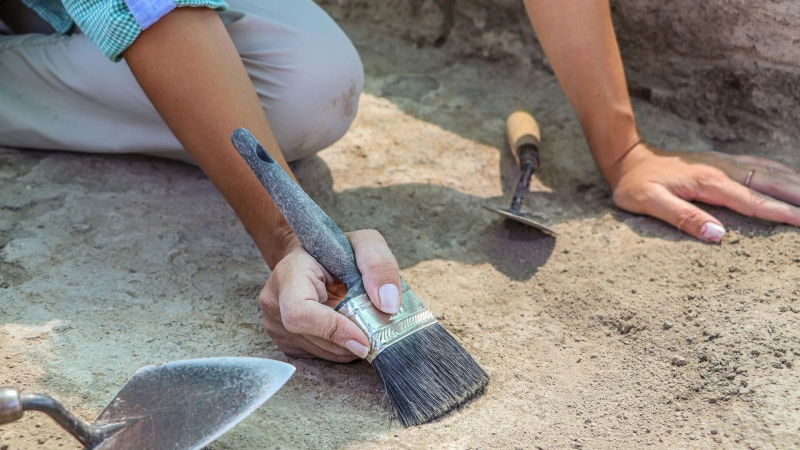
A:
<point x="425" y="370"/>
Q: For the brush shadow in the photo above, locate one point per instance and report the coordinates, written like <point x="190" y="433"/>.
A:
<point x="422" y="222"/>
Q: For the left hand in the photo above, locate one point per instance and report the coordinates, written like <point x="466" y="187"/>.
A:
<point x="662" y="184"/>
<point x="298" y="300"/>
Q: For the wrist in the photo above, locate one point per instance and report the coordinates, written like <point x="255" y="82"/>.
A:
<point x="624" y="160"/>
<point x="277" y="245"/>
<point x="611" y="140"/>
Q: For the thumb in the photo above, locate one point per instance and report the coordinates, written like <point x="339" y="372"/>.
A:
<point x="687" y="217"/>
<point x="378" y="268"/>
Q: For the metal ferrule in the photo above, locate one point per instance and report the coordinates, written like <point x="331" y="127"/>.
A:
<point x="384" y="330"/>
<point x="10" y="405"/>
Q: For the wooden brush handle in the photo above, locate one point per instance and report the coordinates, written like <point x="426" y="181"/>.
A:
<point x="524" y="137"/>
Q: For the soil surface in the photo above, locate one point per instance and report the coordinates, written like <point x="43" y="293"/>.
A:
<point x="619" y="333"/>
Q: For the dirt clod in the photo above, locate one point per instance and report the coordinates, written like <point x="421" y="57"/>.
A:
<point x="678" y="361"/>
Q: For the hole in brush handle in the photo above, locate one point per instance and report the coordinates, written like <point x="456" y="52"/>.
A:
<point x="263" y="155"/>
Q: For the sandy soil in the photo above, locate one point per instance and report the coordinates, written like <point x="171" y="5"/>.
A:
<point x="619" y="333"/>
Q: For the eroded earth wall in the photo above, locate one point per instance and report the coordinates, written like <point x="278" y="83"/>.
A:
<point x="731" y="65"/>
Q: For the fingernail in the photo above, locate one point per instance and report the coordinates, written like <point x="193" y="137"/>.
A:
<point x="712" y="232"/>
<point x="389" y="297"/>
<point x="357" y="348"/>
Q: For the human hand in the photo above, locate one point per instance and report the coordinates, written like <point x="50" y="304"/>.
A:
<point x="662" y="184"/>
<point x="297" y="301"/>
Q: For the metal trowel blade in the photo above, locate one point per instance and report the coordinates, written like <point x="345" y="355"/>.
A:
<point x="188" y="404"/>
<point x="525" y="220"/>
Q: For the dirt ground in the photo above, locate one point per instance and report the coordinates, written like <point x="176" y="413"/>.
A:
<point x="619" y="333"/>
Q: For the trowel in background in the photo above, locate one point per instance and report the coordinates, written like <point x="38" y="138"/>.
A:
<point x="523" y="136"/>
<point x="178" y="405"/>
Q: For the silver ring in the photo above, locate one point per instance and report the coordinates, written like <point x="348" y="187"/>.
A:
<point x="749" y="177"/>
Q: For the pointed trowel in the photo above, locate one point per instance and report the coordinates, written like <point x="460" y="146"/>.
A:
<point x="177" y="405"/>
<point x="523" y="136"/>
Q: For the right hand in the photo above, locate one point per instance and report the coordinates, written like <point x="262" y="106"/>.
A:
<point x="297" y="301"/>
<point x="663" y="184"/>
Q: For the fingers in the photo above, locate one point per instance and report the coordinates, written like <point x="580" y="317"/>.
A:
<point x="312" y="319"/>
<point x="378" y="268"/>
<point x="299" y="346"/>
<point x="746" y="201"/>
<point x="751" y="161"/>
<point x="779" y="184"/>
<point x="298" y="321"/>
<point x="690" y="219"/>
<point x="300" y="294"/>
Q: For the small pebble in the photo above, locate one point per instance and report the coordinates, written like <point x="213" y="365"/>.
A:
<point x="679" y="361"/>
<point x="667" y="325"/>
<point x="81" y="227"/>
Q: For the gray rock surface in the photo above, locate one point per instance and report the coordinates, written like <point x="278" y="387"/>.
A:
<point x="731" y="66"/>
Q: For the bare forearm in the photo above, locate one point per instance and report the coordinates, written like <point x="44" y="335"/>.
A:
<point x="578" y="39"/>
<point x="190" y="70"/>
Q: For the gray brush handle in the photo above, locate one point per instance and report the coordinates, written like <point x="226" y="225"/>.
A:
<point x="316" y="231"/>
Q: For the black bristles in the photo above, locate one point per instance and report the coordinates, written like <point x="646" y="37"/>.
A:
<point x="428" y="374"/>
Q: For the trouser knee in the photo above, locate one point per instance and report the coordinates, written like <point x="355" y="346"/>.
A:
<point x="310" y="92"/>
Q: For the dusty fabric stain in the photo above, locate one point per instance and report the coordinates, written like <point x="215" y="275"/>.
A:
<point x="346" y="104"/>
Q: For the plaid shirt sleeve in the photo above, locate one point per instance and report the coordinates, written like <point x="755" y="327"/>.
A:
<point x="112" y="25"/>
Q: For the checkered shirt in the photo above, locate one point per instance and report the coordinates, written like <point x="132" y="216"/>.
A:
<point x="111" y="24"/>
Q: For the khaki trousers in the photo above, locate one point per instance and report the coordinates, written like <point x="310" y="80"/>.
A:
<point x="61" y="93"/>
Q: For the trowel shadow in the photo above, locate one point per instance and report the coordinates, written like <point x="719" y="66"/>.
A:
<point x="422" y="222"/>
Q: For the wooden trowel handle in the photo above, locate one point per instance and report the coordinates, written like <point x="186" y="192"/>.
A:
<point x="523" y="136"/>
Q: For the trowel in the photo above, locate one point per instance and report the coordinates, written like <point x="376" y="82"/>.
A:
<point x="177" y="405"/>
<point x="523" y="136"/>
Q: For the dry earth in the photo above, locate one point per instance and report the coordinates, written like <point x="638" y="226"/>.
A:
<point x="619" y="333"/>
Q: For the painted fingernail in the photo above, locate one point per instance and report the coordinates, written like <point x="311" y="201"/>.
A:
<point x="712" y="232"/>
<point x="390" y="298"/>
<point x="357" y="348"/>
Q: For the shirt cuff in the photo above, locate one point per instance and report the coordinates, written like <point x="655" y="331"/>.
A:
<point x="115" y="24"/>
<point x="147" y="12"/>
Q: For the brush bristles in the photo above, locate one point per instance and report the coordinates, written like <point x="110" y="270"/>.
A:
<point x="428" y="374"/>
